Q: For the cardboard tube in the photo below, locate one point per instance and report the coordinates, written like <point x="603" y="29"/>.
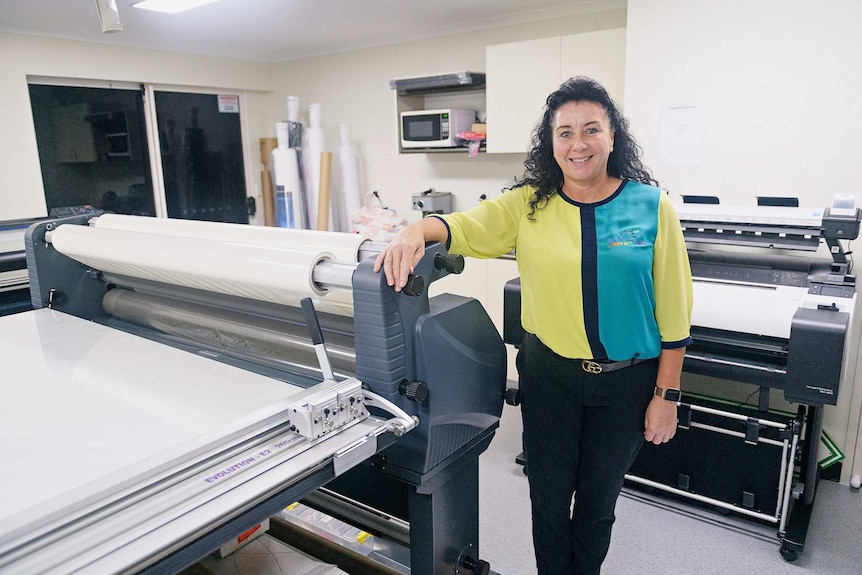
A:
<point x="267" y="145"/>
<point x="323" y="194"/>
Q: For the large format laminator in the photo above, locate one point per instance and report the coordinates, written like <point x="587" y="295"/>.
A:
<point x="179" y="382"/>
<point x="767" y="312"/>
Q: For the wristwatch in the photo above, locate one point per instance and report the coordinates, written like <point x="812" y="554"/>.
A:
<point x="669" y="393"/>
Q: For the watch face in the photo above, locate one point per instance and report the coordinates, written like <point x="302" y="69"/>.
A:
<point x="672" y="394"/>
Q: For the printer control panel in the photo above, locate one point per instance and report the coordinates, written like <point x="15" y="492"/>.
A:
<point x="843" y="291"/>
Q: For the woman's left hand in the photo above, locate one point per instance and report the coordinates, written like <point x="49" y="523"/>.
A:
<point x="660" y="421"/>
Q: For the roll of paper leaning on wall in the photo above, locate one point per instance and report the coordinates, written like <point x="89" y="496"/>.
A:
<point x="350" y="195"/>
<point x="343" y="246"/>
<point x="285" y="165"/>
<point x="324" y="217"/>
<point x="267" y="145"/>
<point x="264" y="273"/>
<point x="311" y="149"/>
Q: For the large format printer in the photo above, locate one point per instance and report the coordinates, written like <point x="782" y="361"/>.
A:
<point x="179" y="382"/>
<point x="769" y="313"/>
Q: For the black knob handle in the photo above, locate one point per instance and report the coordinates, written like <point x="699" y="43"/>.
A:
<point x="512" y="396"/>
<point x="414" y="390"/>
<point x="477" y="566"/>
<point x="414" y="287"/>
<point x="452" y="263"/>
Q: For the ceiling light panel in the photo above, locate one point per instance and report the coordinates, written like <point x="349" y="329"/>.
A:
<point x="171" y="6"/>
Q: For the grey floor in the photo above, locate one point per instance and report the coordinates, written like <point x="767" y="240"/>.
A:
<point x="650" y="538"/>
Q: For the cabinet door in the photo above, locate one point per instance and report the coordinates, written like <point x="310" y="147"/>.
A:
<point x="600" y="55"/>
<point x="500" y="271"/>
<point x="520" y="75"/>
<point x="469" y="283"/>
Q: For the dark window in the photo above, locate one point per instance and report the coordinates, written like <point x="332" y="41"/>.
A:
<point x="93" y="148"/>
<point x="202" y="161"/>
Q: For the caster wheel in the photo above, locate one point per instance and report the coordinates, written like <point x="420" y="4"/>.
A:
<point x="789" y="554"/>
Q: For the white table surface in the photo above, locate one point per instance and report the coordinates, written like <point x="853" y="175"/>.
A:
<point x="81" y="402"/>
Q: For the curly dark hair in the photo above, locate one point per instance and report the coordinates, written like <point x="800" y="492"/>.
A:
<point x="542" y="171"/>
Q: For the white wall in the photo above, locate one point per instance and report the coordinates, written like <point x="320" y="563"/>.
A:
<point x="353" y="88"/>
<point x="21" y="191"/>
<point x="778" y="83"/>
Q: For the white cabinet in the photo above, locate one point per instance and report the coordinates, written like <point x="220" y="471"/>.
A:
<point x="520" y="75"/>
<point x="469" y="283"/>
<point x="600" y="55"/>
<point x="500" y="271"/>
<point x="73" y="134"/>
<point x="518" y="78"/>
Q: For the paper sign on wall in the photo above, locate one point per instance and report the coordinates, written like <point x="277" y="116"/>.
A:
<point x="681" y="136"/>
<point x="228" y="103"/>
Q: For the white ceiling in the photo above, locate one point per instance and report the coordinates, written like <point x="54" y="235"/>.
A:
<point x="275" y="30"/>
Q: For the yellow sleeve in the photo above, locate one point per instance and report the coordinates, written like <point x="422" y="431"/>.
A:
<point x="489" y="229"/>
<point x="671" y="277"/>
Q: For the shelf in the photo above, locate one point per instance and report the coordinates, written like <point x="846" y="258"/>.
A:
<point x="458" y="90"/>
<point x="460" y="150"/>
<point x="441" y="83"/>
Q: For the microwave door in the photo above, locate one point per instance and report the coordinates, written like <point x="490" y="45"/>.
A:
<point x="425" y="128"/>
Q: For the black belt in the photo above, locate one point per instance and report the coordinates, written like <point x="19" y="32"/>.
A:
<point x="594" y="366"/>
<point x="603" y="366"/>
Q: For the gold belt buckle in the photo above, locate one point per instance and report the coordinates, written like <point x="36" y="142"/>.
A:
<point x="591" y="366"/>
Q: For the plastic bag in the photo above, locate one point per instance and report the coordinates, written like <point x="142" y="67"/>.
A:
<point x="382" y="224"/>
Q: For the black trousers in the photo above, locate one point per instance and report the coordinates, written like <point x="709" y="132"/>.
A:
<point x="582" y="432"/>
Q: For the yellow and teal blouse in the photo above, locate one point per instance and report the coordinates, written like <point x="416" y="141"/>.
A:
<point x="608" y="280"/>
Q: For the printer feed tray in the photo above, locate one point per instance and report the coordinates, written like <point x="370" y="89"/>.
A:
<point x="736" y="356"/>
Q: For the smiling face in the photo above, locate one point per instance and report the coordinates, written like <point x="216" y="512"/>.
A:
<point x="583" y="140"/>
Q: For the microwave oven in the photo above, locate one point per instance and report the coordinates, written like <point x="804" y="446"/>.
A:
<point x="435" y="128"/>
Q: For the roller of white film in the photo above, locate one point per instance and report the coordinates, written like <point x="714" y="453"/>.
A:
<point x="264" y="273"/>
<point x="343" y="247"/>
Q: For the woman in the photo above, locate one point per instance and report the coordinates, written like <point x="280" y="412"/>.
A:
<point x="606" y="303"/>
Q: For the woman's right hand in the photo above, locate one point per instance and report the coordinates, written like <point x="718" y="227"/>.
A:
<point x="398" y="259"/>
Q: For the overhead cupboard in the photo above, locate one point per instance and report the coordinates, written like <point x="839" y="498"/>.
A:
<point x="520" y="75"/>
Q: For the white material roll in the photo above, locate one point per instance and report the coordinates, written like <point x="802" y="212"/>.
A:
<point x="312" y="147"/>
<point x="281" y="134"/>
<point x="314" y="115"/>
<point x="344" y="247"/>
<point x="264" y="273"/>
<point x="350" y="194"/>
<point x="290" y="210"/>
<point x="293" y="108"/>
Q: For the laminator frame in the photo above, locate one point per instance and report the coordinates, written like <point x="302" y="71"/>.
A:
<point x="399" y="340"/>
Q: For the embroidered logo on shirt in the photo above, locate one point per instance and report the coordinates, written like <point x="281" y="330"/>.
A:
<point x="627" y="237"/>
